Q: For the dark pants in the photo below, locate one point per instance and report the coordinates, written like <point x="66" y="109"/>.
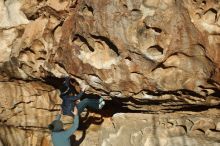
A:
<point x="92" y="103"/>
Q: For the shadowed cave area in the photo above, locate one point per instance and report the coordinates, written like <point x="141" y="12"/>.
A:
<point x="131" y="106"/>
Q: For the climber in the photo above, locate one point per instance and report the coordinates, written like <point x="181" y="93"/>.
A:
<point x="61" y="137"/>
<point x="69" y="100"/>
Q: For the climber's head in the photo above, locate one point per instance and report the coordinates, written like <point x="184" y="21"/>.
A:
<point x="69" y="85"/>
<point x="56" y="126"/>
<point x="66" y="84"/>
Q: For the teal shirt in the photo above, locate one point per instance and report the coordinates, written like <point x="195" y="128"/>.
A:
<point x="62" y="138"/>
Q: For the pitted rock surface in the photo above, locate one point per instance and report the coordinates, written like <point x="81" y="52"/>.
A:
<point x="148" y="56"/>
<point x="164" y="130"/>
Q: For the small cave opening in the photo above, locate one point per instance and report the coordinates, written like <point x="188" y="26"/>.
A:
<point x="146" y="106"/>
<point x="112" y="106"/>
<point x="121" y="105"/>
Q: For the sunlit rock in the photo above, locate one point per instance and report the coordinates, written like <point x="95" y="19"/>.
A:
<point x="144" y="56"/>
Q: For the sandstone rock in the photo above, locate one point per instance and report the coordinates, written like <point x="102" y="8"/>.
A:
<point x="218" y="126"/>
<point x="109" y="56"/>
<point x="212" y="100"/>
<point x="210" y="16"/>
<point x="28" y="103"/>
<point x="6" y="39"/>
<point x="58" y="5"/>
<point x="213" y="134"/>
<point x="204" y="125"/>
<point x="147" y="55"/>
<point x="11" y="135"/>
<point x="150" y="133"/>
<point x="142" y="48"/>
<point x="176" y="131"/>
<point x="11" y="15"/>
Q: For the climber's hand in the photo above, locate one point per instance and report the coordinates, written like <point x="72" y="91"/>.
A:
<point x="75" y="112"/>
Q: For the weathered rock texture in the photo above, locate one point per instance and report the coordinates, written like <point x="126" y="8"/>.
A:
<point x="160" y="130"/>
<point x="145" y="52"/>
<point x="128" y="48"/>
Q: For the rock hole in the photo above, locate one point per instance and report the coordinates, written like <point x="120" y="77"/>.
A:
<point x="60" y="24"/>
<point x="43" y="52"/>
<point x="190" y="92"/>
<point x="147" y="27"/>
<point x="136" y="14"/>
<point x="209" y="13"/>
<point x="212" y="10"/>
<point x="88" y="10"/>
<point x="135" y="10"/>
<point x="84" y="41"/>
<point x="216" y="93"/>
<point x="128" y="58"/>
<point x="125" y="6"/>
<point x="110" y="44"/>
<point x="60" y="64"/>
<point x="41" y="58"/>
<point x="34" y="16"/>
<point x="161" y="65"/>
<point x="28" y="49"/>
<point x="155" y="50"/>
<point x="158" y="30"/>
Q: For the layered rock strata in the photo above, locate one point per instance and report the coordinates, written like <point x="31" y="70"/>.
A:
<point x="147" y="55"/>
<point x="163" y="130"/>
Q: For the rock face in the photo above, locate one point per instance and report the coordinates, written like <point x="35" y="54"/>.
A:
<point x="150" y="55"/>
<point x="127" y="48"/>
<point x="30" y="107"/>
<point x="117" y="48"/>
<point x="163" y="130"/>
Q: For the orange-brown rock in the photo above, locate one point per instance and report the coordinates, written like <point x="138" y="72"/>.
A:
<point x="148" y="55"/>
